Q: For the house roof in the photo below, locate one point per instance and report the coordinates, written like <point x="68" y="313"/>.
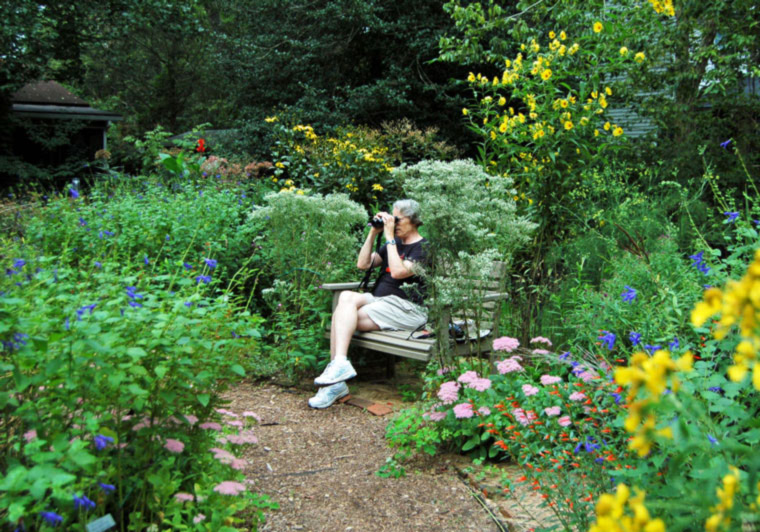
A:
<point x="49" y="99"/>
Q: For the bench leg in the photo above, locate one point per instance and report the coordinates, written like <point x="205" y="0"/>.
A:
<point x="390" y="366"/>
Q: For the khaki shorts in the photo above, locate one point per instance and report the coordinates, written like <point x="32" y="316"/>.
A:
<point x="394" y="313"/>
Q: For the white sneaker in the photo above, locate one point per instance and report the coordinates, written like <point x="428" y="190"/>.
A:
<point x="337" y="370"/>
<point x="327" y="395"/>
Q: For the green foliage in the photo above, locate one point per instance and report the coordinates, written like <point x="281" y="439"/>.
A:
<point x="306" y="240"/>
<point x="114" y="354"/>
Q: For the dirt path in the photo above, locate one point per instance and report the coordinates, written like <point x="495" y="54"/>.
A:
<point x="320" y="465"/>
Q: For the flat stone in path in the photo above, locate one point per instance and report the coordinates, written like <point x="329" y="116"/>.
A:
<point x="320" y="466"/>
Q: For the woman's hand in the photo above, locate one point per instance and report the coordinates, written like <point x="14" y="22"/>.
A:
<point x="389" y="226"/>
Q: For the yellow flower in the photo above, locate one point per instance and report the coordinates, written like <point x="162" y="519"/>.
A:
<point x="299" y="192"/>
<point x="562" y="50"/>
<point x="608" y="91"/>
<point x="563" y="104"/>
<point x="606" y="126"/>
<point x="617" y="131"/>
<point x="596" y="132"/>
<point x="568" y="125"/>
<point x="278" y="164"/>
<point x="270" y="119"/>
<point x="639" y="57"/>
<point x="562" y="36"/>
<point x="502" y="100"/>
<point x="574" y="48"/>
<point x="598" y="27"/>
<point x="465" y="112"/>
<point x="623" y="50"/>
<point x="471" y="77"/>
<point x="546" y="74"/>
<point x="552" y="34"/>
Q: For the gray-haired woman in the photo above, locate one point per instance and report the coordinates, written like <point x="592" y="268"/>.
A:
<point x="388" y="307"/>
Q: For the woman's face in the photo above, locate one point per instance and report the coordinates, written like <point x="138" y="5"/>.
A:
<point x="404" y="226"/>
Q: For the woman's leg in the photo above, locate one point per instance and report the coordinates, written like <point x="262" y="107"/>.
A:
<point x="346" y="319"/>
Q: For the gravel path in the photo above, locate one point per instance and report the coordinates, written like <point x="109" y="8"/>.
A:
<point x="320" y="465"/>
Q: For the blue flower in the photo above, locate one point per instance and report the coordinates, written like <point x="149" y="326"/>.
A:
<point x="617" y="397"/>
<point x="712" y="440"/>
<point x="10" y="273"/>
<point x="98" y="264"/>
<point x="66" y="324"/>
<point x="704" y="268"/>
<point x="725" y="144"/>
<point x="577" y="448"/>
<point x="107" y="487"/>
<point x="146" y="260"/>
<point x="590" y="445"/>
<point x="629" y="294"/>
<point x="652" y="348"/>
<point x="235" y="335"/>
<point x="82" y="221"/>
<point x="634" y="337"/>
<point x="132" y="294"/>
<point x="52" y="518"/>
<point x="19" y="263"/>
<point x="211" y="263"/>
<point x="167" y="238"/>
<point x="716" y="389"/>
<point x="608" y="338"/>
<point x="188" y="304"/>
<point x="83" y="502"/>
<point x="101" y="442"/>
<point x="203" y="278"/>
<point x="74" y="193"/>
<point x="134" y="304"/>
<point x="565" y="355"/>
<point x="731" y="215"/>
<point x="675" y="344"/>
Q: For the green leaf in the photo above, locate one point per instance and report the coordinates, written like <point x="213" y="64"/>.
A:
<point x="471" y="443"/>
<point x="136" y="352"/>
<point x="203" y="398"/>
<point x="237" y="368"/>
<point x="161" y="371"/>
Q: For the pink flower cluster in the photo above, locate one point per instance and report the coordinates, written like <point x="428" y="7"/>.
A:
<point x="524" y="417"/>
<point x="541" y="340"/>
<point x="449" y="392"/>
<point x="242" y="438"/>
<point x="509" y="365"/>
<point x="564" y="421"/>
<point x="471" y="379"/>
<point x="463" y="410"/>
<point x="505" y="343"/>
<point x="546" y="380"/>
<point x="529" y="389"/>
<point x="577" y="396"/>
<point x="552" y="411"/>
<point x="540" y="352"/>
<point x="229" y="487"/>
<point x="174" y="446"/>
<point x="436" y="416"/>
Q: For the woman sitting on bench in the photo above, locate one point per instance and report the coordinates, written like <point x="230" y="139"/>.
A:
<point x="388" y="307"/>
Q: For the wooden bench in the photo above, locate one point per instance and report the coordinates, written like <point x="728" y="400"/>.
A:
<point x="400" y="344"/>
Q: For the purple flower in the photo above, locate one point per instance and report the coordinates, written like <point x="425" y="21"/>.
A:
<point x="74" y="193"/>
<point x="716" y="389"/>
<point x="52" y="518"/>
<point x="134" y="304"/>
<point x="83" y="502"/>
<point x="66" y="324"/>
<point x="188" y="304"/>
<point x="629" y="294"/>
<point x="590" y="445"/>
<point x="19" y="263"/>
<point x="712" y="440"/>
<point x="696" y="258"/>
<point x="731" y="216"/>
<point x="101" y="442"/>
<point x="675" y="344"/>
<point x="146" y="260"/>
<point x="167" y="238"/>
<point x="107" y="487"/>
<point x="608" y="338"/>
<point x="211" y="263"/>
<point x="725" y="144"/>
<point x="617" y="397"/>
<point x="82" y="221"/>
<point x="704" y="268"/>
<point x="98" y="264"/>
<point x="203" y="279"/>
<point x="132" y="294"/>
<point x="652" y="348"/>
<point x="635" y="338"/>
<point x="187" y="266"/>
<point x="564" y="356"/>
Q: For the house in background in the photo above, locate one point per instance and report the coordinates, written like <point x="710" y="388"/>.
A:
<point x="53" y="133"/>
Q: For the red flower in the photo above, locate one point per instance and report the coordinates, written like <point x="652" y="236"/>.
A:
<point x="201" y="148"/>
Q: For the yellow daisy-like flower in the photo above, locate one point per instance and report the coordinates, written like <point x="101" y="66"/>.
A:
<point x="598" y="27"/>
<point x="617" y="131"/>
<point x="568" y="125"/>
<point x="607" y="126"/>
<point x="562" y="50"/>
<point x="562" y="36"/>
<point x="378" y="187"/>
<point x="623" y="50"/>
<point x="596" y="132"/>
<point x="278" y="164"/>
<point x="546" y="74"/>
<point x="639" y="57"/>
<point x="471" y="77"/>
<point x="608" y="91"/>
<point x="502" y="100"/>
<point x="299" y="192"/>
<point x="574" y="48"/>
<point x="563" y="104"/>
<point x="552" y="34"/>
<point x="465" y="112"/>
<point x="270" y="119"/>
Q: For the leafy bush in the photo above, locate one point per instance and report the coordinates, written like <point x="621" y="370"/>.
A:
<point x="112" y="372"/>
<point x="306" y="240"/>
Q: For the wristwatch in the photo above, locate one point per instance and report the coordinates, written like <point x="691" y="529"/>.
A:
<point x="391" y="242"/>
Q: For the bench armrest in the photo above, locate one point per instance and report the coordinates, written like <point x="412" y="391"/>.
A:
<point x="337" y="287"/>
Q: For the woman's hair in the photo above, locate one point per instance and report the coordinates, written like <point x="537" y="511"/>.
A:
<point x="410" y="208"/>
